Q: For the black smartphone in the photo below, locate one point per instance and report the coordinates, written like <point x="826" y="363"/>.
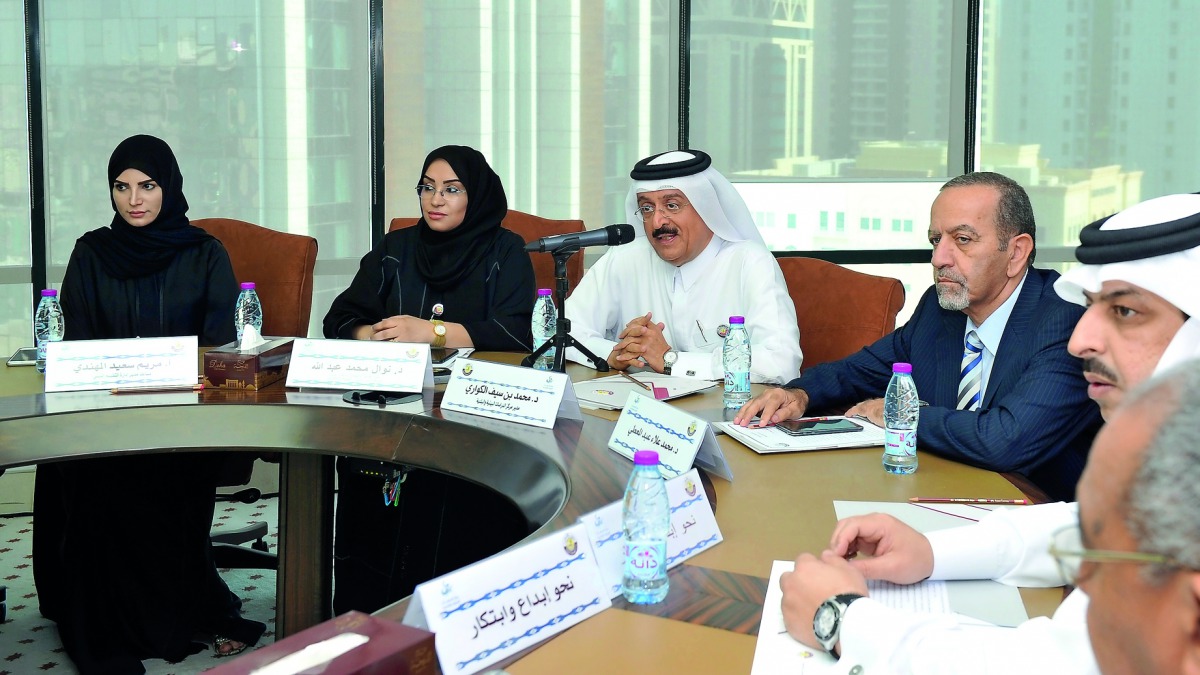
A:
<point x="815" y="426"/>
<point x="442" y="354"/>
<point x="25" y="356"/>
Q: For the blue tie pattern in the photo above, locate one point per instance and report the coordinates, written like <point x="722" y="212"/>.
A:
<point x="969" y="393"/>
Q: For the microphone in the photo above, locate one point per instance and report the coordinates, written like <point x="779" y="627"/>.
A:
<point x="613" y="235"/>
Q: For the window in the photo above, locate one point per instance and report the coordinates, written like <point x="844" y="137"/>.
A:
<point x="16" y="293"/>
<point x="266" y="114"/>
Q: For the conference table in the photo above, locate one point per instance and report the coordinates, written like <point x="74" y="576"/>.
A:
<point x="776" y="507"/>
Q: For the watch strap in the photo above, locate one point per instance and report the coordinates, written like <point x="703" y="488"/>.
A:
<point x="839" y="604"/>
<point x="439" y="336"/>
<point x="669" y="359"/>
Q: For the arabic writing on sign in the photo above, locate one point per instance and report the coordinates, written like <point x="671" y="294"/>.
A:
<point x="498" y="405"/>
<point x="119" y="367"/>
<point x="372" y="368"/>
<point x="654" y="438"/>
<point x="523" y="607"/>
<point x="686" y="524"/>
<point x="502" y="394"/>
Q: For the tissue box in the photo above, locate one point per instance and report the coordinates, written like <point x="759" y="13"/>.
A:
<point x="392" y="648"/>
<point x="227" y="367"/>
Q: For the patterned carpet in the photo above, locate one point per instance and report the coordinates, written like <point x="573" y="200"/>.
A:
<point x="30" y="644"/>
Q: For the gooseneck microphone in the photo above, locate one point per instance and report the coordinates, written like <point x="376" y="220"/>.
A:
<point x="613" y="235"/>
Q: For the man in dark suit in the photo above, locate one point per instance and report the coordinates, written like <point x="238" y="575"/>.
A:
<point x="987" y="344"/>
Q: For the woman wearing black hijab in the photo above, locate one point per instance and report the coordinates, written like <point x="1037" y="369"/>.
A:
<point x="457" y="267"/>
<point x="119" y="594"/>
<point x="456" y="276"/>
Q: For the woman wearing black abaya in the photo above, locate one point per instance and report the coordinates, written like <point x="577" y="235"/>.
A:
<point x="120" y="595"/>
<point x="456" y="279"/>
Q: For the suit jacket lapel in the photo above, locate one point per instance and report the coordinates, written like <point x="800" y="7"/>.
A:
<point x="949" y="358"/>
<point x="1016" y="336"/>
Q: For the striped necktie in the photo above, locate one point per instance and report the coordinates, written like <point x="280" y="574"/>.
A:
<point x="972" y="374"/>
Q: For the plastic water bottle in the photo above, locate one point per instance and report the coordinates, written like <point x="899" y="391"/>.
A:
<point x="48" y="325"/>
<point x="645" y="520"/>
<point x="248" y="310"/>
<point x="545" y="324"/>
<point x="901" y="411"/>
<point x="736" y="357"/>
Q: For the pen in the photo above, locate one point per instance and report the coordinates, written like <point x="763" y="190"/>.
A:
<point x="157" y="390"/>
<point x="965" y="500"/>
<point x="659" y="393"/>
<point x="636" y="381"/>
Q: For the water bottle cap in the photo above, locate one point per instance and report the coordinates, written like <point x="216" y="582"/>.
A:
<point x="49" y="293"/>
<point x="737" y="319"/>
<point x="247" y="285"/>
<point x="545" y="291"/>
<point x="902" y="368"/>
<point x="646" y="458"/>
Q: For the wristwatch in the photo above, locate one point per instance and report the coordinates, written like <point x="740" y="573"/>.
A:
<point x="669" y="360"/>
<point x="827" y="622"/>
<point x="439" y="333"/>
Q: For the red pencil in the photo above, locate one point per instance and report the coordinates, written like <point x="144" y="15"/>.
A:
<point x="966" y="500"/>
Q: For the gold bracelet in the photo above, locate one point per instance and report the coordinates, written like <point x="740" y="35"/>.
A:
<point x="439" y="333"/>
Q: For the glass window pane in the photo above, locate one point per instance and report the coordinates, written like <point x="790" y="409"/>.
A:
<point x="562" y="97"/>
<point x="265" y="105"/>
<point x="822" y="88"/>
<point x="1121" y="126"/>
<point x="16" y="296"/>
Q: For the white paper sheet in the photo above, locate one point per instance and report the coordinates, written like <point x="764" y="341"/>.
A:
<point x="610" y="393"/>
<point x="768" y="440"/>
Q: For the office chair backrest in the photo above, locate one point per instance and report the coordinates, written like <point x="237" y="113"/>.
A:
<point x="839" y="311"/>
<point x="280" y="265"/>
<point x="530" y="228"/>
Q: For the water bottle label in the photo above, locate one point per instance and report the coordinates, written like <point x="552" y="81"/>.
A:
<point x="736" y="383"/>
<point x="645" y="560"/>
<point x="900" y="442"/>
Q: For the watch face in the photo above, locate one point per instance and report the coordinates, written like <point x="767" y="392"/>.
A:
<point x="439" y="329"/>
<point x="670" y="357"/>
<point x="825" y="622"/>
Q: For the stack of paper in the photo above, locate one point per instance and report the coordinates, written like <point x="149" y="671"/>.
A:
<point x="767" y="440"/>
<point x="610" y="393"/>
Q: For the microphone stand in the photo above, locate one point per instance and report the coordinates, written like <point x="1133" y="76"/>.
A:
<point x="562" y="329"/>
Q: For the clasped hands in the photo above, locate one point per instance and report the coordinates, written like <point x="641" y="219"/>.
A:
<point x="875" y="546"/>
<point x="400" y="328"/>
<point x="641" y="341"/>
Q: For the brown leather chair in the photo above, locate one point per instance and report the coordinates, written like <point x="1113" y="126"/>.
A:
<point x="839" y="311"/>
<point x="532" y="227"/>
<point x="280" y="265"/>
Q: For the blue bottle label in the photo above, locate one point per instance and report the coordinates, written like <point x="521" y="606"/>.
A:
<point x="737" y="382"/>
<point x="901" y="443"/>
<point x="645" y="560"/>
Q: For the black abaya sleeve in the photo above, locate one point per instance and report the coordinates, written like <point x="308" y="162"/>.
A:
<point x="361" y="303"/>
<point x="510" y="292"/>
<point x="77" y="295"/>
<point x="221" y="293"/>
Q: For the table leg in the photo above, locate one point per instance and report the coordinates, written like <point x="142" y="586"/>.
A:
<point x="304" y="591"/>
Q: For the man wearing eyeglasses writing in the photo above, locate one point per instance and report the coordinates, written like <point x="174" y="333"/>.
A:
<point x="1140" y="282"/>
<point x="698" y="259"/>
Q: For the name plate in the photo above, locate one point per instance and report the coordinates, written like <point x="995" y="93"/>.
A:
<point x="495" y="608"/>
<point x="680" y="439"/>
<point x="360" y="364"/>
<point x="79" y="365"/>
<point x="693" y="529"/>
<point x="512" y="393"/>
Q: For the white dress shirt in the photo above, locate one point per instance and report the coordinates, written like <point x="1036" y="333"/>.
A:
<point x="989" y="334"/>
<point x="1010" y="546"/>
<point x="726" y="279"/>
